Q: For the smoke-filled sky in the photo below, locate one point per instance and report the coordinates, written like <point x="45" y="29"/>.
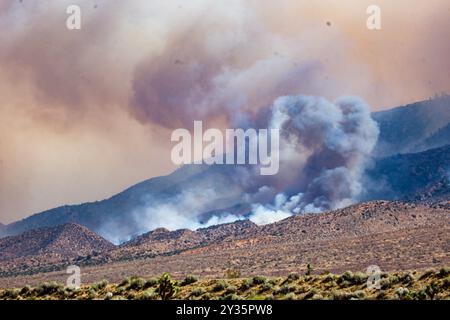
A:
<point x="86" y="113"/>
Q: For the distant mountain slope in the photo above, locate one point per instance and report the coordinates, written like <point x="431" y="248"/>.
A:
<point x="402" y="129"/>
<point x="57" y="243"/>
<point x="359" y="220"/>
<point x="392" y="235"/>
<point x="417" y="176"/>
<point x="438" y="139"/>
<point x="418" y="126"/>
<point x="120" y="211"/>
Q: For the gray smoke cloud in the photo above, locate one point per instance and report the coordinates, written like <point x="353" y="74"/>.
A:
<point x="324" y="150"/>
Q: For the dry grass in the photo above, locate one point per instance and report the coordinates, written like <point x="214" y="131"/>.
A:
<point x="423" y="285"/>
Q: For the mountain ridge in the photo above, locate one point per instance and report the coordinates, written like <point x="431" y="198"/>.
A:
<point x="393" y="235"/>
<point x="50" y="245"/>
<point x="122" y="212"/>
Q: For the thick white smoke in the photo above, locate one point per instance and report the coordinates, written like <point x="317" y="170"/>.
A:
<point x="325" y="147"/>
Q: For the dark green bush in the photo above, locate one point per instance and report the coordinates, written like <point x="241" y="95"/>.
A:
<point x="259" y="280"/>
<point x="230" y="290"/>
<point x="293" y="277"/>
<point x="266" y="287"/>
<point x="246" y="284"/>
<point x="190" y="279"/>
<point x="220" y="285"/>
<point x="444" y="272"/>
<point x="48" y="288"/>
<point x="100" y="285"/>
<point x="137" y="283"/>
<point x="11" y="294"/>
<point x="198" y="292"/>
<point x="151" y="283"/>
<point x="25" y="290"/>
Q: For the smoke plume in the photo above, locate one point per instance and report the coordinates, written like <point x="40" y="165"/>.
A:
<point x="324" y="150"/>
<point x="325" y="147"/>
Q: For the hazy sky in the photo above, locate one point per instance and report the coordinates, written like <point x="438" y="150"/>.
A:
<point x="86" y="113"/>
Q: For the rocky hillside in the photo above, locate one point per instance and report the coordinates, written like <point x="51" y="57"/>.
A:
<point x="355" y="221"/>
<point x="49" y="245"/>
<point x="393" y="235"/>
<point x="163" y="241"/>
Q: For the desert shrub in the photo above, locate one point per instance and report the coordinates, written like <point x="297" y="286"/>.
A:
<point x="359" y="278"/>
<point x="349" y="278"/>
<point x="166" y="287"/>
<point x="394" y="279"/>
<point x="285" y="289"/>
<point x="446" y="283"/>
<point x="246" y="284"/>
<point x="328" y="278"/>
<point x="197" y="292"/>
<point x="207" y="296"/>
<point x="71" y="292"/>
<point x="293" y="277"/>
<point x="432" y="289"/>
<point x="220" y="285"/>
<point x="131" y="295"/>
<point x="100" y="285"/>
<point x="311" y="293"/>
<point x="48" y="288"/>
<point x="125" y="282"/>
<point x="426" y="274"/>
<point x="420" y="295"/>
<point x="359" y="295"/>
<point x="290" y="296"/>
<point x="108" y="296"/>
<point x="137" y="283"/>
<point x="230" y="297"/>
<point x="301" y="289"/>
<point x="382" y="295"/>
<point x="232" y="274"/>
<point x="266" y="287"/>
<point x="150" y="283"/>
<point x="121" y="290"/>
<point x="25" y="290"/>
<point x="385" y="283"/>
<point x="444" y="272"/>
<point x="230" y="290"/>
<point x="401" y="292"/>
<point x="346" y="276"/>
<point x="189" y="280"/>
<point x="337" y="295"/>
<point x="407" y="278"/>
<point x="149" y="295"/>
<point x="259" y="280"/>
<point x="92" y="294"/>
<point x="11" y="294"/>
